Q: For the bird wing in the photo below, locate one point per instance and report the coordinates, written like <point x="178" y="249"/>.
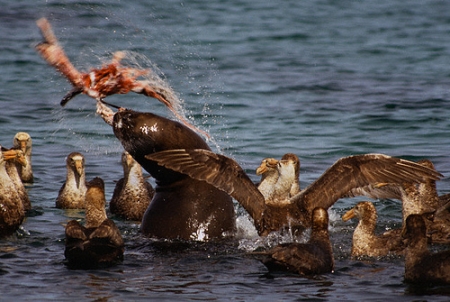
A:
<point x="377" y="191"/>
<point x="107" y="232"/>
<point x="359" y="171"/>
<point x="306" y="259"/>
<point x="75" y="231"/>
<point x="218" y="170"/>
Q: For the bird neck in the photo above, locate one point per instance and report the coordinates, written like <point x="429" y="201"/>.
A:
<point x="74" y="179"/>
<point x="416" y="249"/>
<point x="368" y="223"/>
<point x="134" y="175"/>
<point x="94" y="216"/>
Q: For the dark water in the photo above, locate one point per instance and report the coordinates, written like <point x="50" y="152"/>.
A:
<point x="322" y="79"/>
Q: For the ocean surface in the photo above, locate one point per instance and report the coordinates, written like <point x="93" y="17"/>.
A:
<point x="322" y="79"/>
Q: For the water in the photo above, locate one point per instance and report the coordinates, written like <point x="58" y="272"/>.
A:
<point x="322" y="79"/>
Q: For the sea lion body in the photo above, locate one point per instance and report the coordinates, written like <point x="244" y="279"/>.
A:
<point x="182" y="207"/>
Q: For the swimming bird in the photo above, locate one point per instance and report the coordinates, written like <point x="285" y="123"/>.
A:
<point x="12" y="212"/>
<point x="23" y="141"/>
<point x="344" y="175"/>
<point x="12" y="168"/>
<point x="280" y="179"/>
<point x="422" y="266"/>
<point x="132" y="193"/>
<point x="417" y="198"/>
<point x="311" y="258"/>
<point x="99" y="241"/>
<point x="365" y="241"/>
<point x="287" y="184"/>
<point x="73" y="191"/>
<point x="269" y="176"/>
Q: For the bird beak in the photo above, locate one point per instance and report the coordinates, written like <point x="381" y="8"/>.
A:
<point x="9" y="154"/>
<point x="349" y="215"/>
<point x="269" y="162"/>
<point x="381" y="184"/>
<point x="23" y="146"/>
<point x="79" y="167"/>
<point x="15" y="155"/>
<point x="261" y="169"/>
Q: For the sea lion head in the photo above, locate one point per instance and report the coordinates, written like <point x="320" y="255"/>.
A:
<point x="143" y="133"/>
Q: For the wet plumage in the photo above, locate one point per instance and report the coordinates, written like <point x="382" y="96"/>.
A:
<point x="417" y="198"/>
<point x="99" y="241"/>
<point x="12" y="212"/>
<point x="73" y="192"/>
<point x="12" y="168"/>
<point x="311" y="258"/>
<point x="365" y="241"/>
<point x="269" y="176"/>
<point x="344" y="175"/>
<point x="132" y="193"/>
<point x="287" y="184"/>
<point x="22" y="140"/>
<point x="422" y="266"/>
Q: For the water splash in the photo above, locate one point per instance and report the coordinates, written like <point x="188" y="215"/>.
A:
<point x="156" y="79"/>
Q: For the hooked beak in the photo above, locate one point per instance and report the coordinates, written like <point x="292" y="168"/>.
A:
<point x="15" y="155"/>
<point x="269" y="162"/>
<point x="349" y="215"/>
<point x="79" y="167"/>
<point x="261" y="169"/>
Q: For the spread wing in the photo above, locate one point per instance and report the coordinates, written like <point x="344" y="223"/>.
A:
<point x="360" y="171"/>
<point x="218" y="170"/>
<point x="382" y="191"/>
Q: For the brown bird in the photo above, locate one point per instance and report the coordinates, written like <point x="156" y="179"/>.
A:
<point x="73" y="192"/>
<point x="12" y="168"/>
<point x="269" y="176"/>
<point x="288" y="183"/>
<point x="12" y="212"/>
<point x="22" y="140"/>
<point x="311" y="258"/>
<point x="112" y="78"/>
<point x="417" y="198"/>
<point x="132" y="193"/>
<point x="343" y="176"/>
<point x="422" y="266"/>
<point x="99" y="241"/>
<point x="280" y="179"/>
<point x="365" y="241"/>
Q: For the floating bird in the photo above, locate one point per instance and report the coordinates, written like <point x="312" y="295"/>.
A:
<point x="23" y="141"/>
<point x="422" y="266"/>
<point x="12" y="212"/>
<point x="417" y="198"/>
<point x="99" y="241"/>
<point x="365" y="241"/>
<point x="280" y="179"/>
<point x="73" y="191"/>
<point x="269" y="176"/>
<point x="12" y="168"/>
<point x="132" y="193"/>
<point x="343" y="176"/>
<point x="287" y="184"/>
<point x="311" y="258"/>
<point x="113" y="78"/>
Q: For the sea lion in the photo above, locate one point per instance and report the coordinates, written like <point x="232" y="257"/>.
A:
<point x="182" y="207"/>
